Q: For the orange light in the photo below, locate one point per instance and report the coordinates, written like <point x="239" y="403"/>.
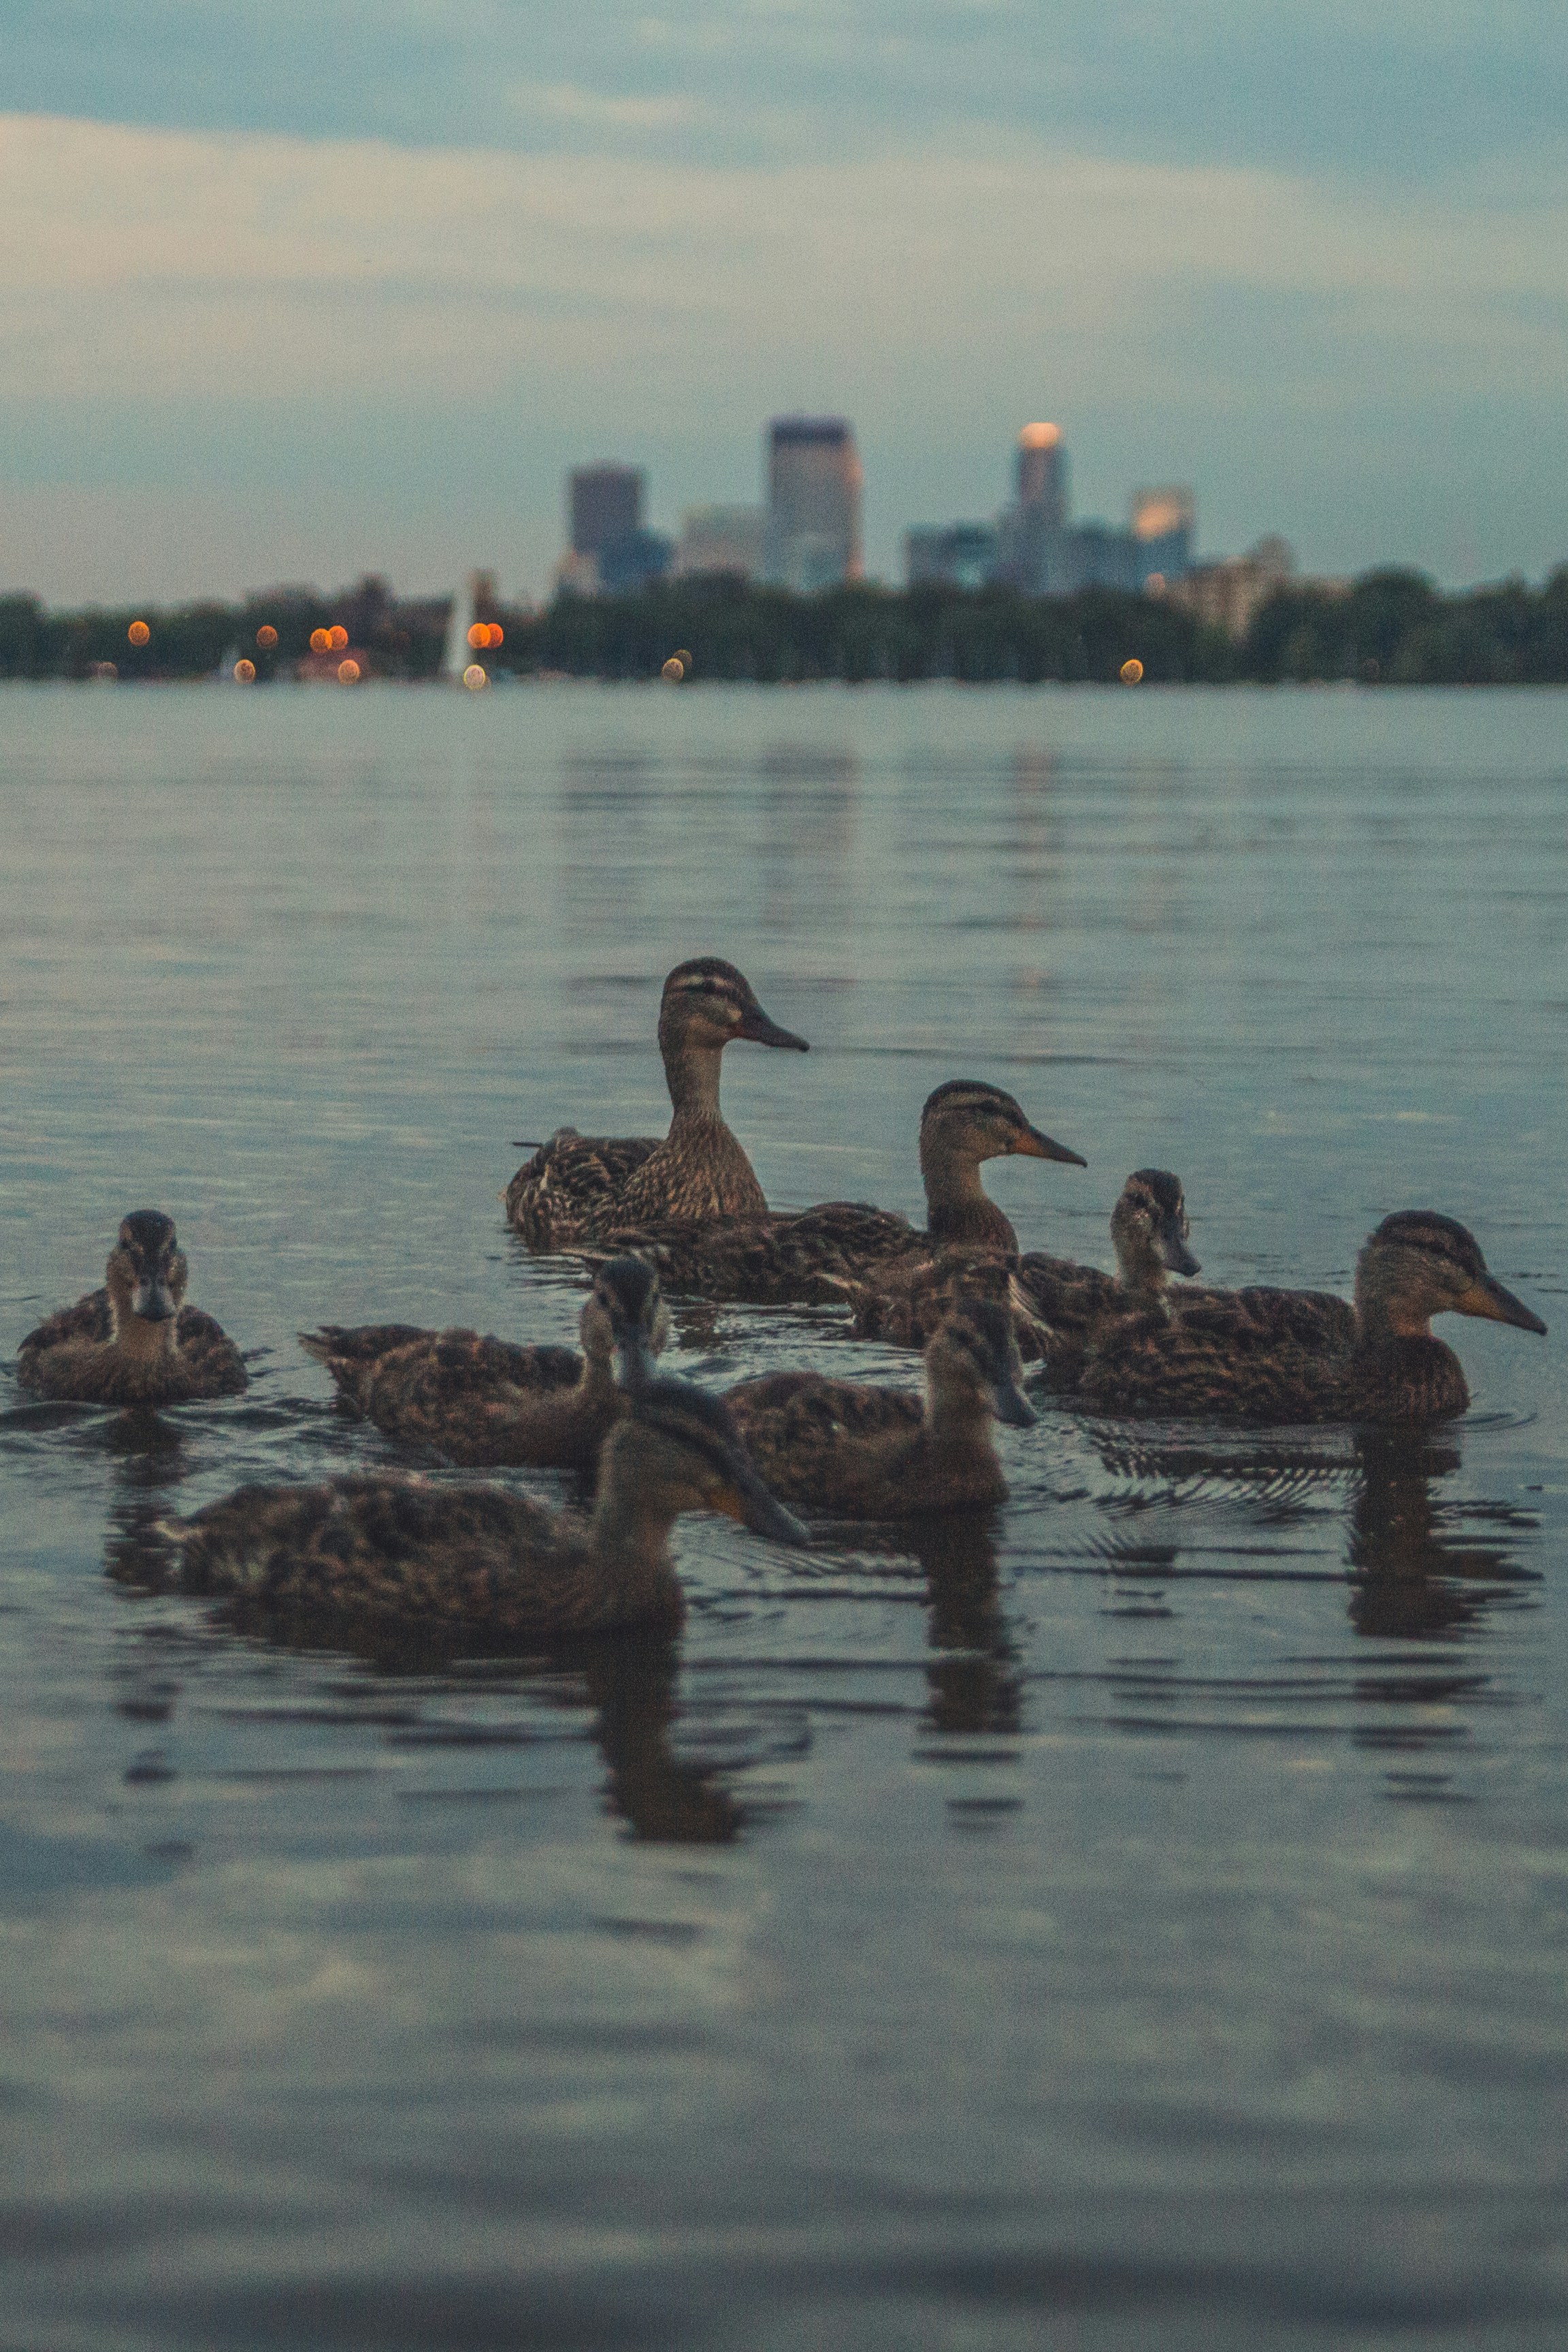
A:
<point x="497" y="635"/>
<point x="348" y="672"/>
<point x="674" y="669"/>
<point x="474" y="678"/>
<point x="683" y="657"/>
<point x="478" y="636"/>
<point x="1132" y="671"/>
<point x="245" y="671"/>
<point x="320" y="641"/>
<point x="1040" y="437"/>
<point x="337" y="636"/>
<point x="266" y="634"/>
<point x="138" y="633"/>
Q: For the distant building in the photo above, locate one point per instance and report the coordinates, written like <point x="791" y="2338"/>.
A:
<point x="812" y="534"/>
<point x="1164" y="524"/>
<point x="1229" y="594"/>
<point x="721" y="540"/>
<point x="604" y="503"/>
<point x="610" y="553"/>
<point x="1042" y="474"/>
<point x="1038" y="550"/>
<point x="956" y="554"/>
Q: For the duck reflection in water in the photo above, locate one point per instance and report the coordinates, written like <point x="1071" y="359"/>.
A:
<point x="1409" y="1580"/>
<point x="974" y="1673"/>
<point x="632" y="1685"/>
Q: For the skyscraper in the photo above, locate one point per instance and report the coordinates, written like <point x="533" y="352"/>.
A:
<point x="814" y="503"/>
<point x="610" y="551"/>
<point x="1162" y="523"/>
<point x="606" y="504"/>
<point x="1043" y="475"/>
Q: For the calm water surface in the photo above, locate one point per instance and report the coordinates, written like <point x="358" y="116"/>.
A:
<point x="1136" y="1921"/>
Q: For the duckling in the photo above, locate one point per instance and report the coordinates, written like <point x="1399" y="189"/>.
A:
<point x="1056" y="1301"/>
<point x="1278" y="1356"/>
<point x="853" y="1451"/>
<point x="400" y="1555"/>
<point x="575" y="1184"/>
<point x="818" y="1253"/>
<point x="1149" y="1230"/>
<point x="134" y="1341"/>
<point x="483" y="1401"/>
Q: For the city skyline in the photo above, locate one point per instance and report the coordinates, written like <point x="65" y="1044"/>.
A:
<point x="360" y="294"/>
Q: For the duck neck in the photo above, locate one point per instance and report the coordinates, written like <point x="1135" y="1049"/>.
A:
<point x="958" y="1208"/>
<point x="632" y="1519"/>
<point x="138" y="1336"/>
<point x="1383" y="1312"/>
<point x="597" y="1384"/>
<point x="1140" y="1268"/>
<point x="958" y="1412"/>
<point x="691" y="1074"/>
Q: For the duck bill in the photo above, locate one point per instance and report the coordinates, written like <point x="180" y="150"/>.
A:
<point x="635" y="1358"/>
<point x="1033" y="1145"/>
<point x="758" y="1030"/>
<point x="153" y="1303"/>
<point x="1009" y="1404"/>
<point x="1174" y="1254"/>
<point x="1493" y="1304"/>
<point x="747" y="1500"/>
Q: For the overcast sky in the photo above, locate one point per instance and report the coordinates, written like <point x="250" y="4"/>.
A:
<point x="298" y="291"/>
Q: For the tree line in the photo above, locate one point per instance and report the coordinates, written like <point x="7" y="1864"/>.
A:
<point x="1390" y="627"/>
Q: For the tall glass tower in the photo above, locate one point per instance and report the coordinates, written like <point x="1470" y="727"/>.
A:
<point x="813" y="538"/>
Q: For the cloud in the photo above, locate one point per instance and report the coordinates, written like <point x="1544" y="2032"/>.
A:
<point x="1375" y="375"/>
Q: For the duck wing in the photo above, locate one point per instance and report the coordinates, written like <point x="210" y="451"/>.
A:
<point x="811" y="1257"/>
<point x="483" y="1401"/>
<point x="212" y="1365"/>
<point x="818" y="1442"/>
<point x="90" y="1319"/>
<point x="1279" y="1357"/>
<point x="572" y="1184"/>
<point x="903" y="1300"/>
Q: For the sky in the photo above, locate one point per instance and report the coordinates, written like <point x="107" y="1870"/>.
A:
<point x="296" y="292"/>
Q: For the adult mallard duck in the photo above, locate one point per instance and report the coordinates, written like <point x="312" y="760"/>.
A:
<point x="1057" y="1302"/>
<point x="484" y="1401"/>
<point x="817" y="1255"/>
<point x="854" y="1451"/>
<point x="134" y="1341"/>
<point x="1264" y="1355"/>
<point x="400" y="1555"/>
<point x="575" y="1184"/>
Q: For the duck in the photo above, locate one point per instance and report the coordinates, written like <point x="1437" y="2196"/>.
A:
<point x="576" y="1183"/>
<point x="849" y="1449"/>
<point x="134" y="1341"/>
<point x="816" y="1256"/>
<point x="1057" y="1302"/>
<point x="483" y="1402"/>
<point x="1279" y="1356"/>
<point x="399" y="1554"/>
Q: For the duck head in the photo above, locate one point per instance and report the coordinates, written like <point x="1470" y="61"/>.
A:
<point x="624" y="1316"/>
<point x="973" y="1352"/>
<point x="1149" y="1227"/>
<point x="146" y="1274"/>
<point x="966" y="1121"/>
<point x="707" y="1004"/>
<point x="1417" y="1264"/>
<point x="679" y="1450"/>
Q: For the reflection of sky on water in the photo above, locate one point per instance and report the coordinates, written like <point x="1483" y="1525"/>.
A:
<point x="1149" y="1881"/>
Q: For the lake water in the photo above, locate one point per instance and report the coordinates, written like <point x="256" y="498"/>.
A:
<point x="1138" y="1921"/>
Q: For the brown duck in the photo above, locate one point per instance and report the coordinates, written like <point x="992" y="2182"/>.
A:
<point x="577" y="1185"/>
<point x="483" y="1401"/>
<point x="850" y="1450"/>
<point x="400" y="1555"/>
<point x="1281" y="1356"/>
<point x="134" y="1341"/>
<point x="818" y="1254"/>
